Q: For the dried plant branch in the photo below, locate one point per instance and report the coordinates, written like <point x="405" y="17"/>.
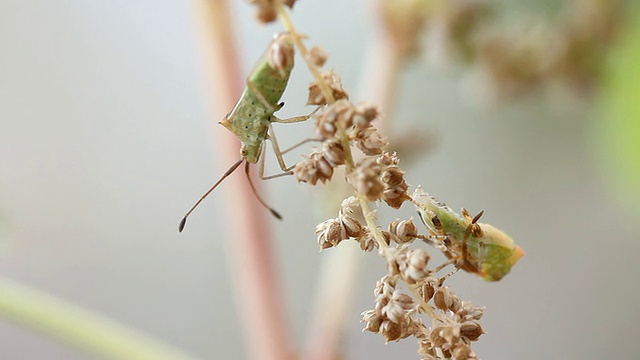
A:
<point x="377" y="177"/>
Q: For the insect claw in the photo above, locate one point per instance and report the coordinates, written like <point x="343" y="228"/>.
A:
<point x="276" y="214"/>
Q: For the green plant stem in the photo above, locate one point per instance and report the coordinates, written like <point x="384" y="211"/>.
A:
<point x="70" y="324"/>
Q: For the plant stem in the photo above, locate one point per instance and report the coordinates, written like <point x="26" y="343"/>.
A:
<point x="75" y="326"/>
<point x="250" y="247"/>
<point x="340" y="269"/>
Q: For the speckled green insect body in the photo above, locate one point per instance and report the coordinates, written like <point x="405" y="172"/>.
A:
<point x="250" y="119"/>
<point x="481" y="248"/>
<point x="253" y="113"/>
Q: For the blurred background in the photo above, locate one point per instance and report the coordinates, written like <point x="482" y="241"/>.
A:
<point x="106" y="139"/>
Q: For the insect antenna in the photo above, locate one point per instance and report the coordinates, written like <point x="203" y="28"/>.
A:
<point x="183" y="222"/>
<point x="253" y="188"/>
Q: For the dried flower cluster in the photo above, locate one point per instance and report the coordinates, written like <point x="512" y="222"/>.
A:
<point x="396" y="316"/>
<point x="267" y="9"/>
<point x="514" y="60"/>
<point x="412" y="289"/>
<point x="343" y="127"/>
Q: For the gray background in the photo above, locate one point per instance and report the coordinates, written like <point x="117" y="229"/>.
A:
<point x="106" y="139"/>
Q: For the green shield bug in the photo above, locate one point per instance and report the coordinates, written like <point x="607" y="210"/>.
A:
<point x="251" y="118"/>
<point x="475" y="247"/>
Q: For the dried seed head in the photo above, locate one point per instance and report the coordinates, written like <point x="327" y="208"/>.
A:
<point x="416" y="270"/>
<point x="349" y="205"/>
<point x="364" y="115"/>
<point x="316" y="96"/>
<point x="313" y="168"/>
<point x="333" y="152"/>
<point x="428" y="288"/>
<point x="468" y="311"/>
<point x="391" y="331"/>
<point x="373" y="320"/>
<point x="351" y="225"/>
<point x="365" y="178"/>
<point x="405" y="231"/>
<point x="426" y="350"/>
<point x="385" y="286"/>
<point x="267" y="9"/>
<point x="461" y="352"/>
<point x="369" y="140"/>
<point x="397" y="307"/>
<point x="340" y="111"/>
<point x="317" y="56"/>
<point x="330" y="233"/>
<point x="471" y="330"/>
<point x="395" y="192"/>
<point x="367" y="241"/>
<point x="442" y="298"/>
<point x="281" y="53"/>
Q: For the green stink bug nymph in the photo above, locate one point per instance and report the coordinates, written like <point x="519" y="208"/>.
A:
<point x="475" y="247"/>
<point x="251" y="118"/>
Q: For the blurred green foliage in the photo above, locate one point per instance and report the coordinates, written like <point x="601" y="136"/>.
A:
<point x="617" y="130"/>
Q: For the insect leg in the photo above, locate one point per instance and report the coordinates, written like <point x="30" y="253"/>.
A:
<point x="261" y="167"/>
<point x="294" y="119"/>
<point x="299" y="144"/>
<point x="253" y="188"/>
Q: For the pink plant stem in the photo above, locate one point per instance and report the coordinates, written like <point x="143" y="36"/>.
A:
<point x="248" y="236"/>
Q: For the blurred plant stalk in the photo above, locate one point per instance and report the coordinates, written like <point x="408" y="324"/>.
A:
<point x="77" y="327"/>
<point x="248" y="237"/>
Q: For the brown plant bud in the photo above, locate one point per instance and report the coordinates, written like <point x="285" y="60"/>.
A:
<point x="369" y="141"/>
<point x="385" y="286"/>
<point x="317" y="56"/>
<point x="443" y="298"/>
<point x="267" y="9"/>
<point x="339" y="112"/>
<point x="313" y="168"/>
<point x="333" y="152"/>
<point x="393" y="176"/>
<point x="281" y="53"/>
<point x="471" y="330"/>
<point x="468" y="311"/>
<point x="436" y="338"/>
<point x="388" y="159"/>
<point x="417" y="270"/>
<point x="330" y="233"/>
<point x="395" y="193"/>
<point x="428" y="288"/>
<point x="373" y="320"/>
<point x="351" y="225"/>
<point x="387" y="236"/>
<point x="317" y="97"/>
<point x="367" y="241"/>
<point x="461" y="352"/>
<point x="426" y="351"/>
<point x="405" y="231"/>
<point x="451" y="335"/>
<point x="391" y="331"/>
<point x="397" y="307"/>
<point x="363" y="116"/>
<point x="365" y="178"/>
